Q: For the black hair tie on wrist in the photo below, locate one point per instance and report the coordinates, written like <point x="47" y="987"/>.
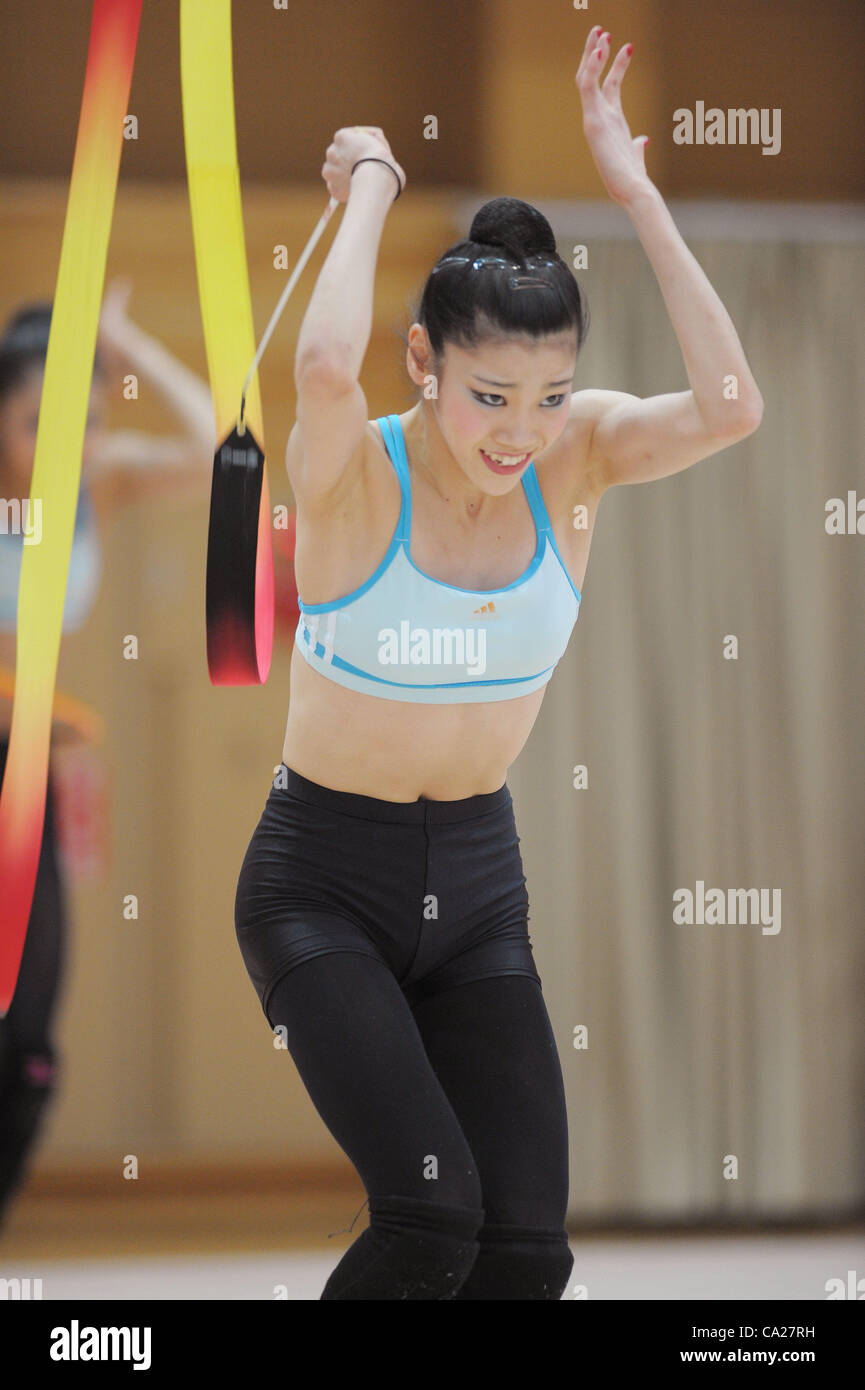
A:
<point x="371" y="159"/>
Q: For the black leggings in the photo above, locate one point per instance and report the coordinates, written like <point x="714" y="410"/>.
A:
<point x="29" y="1062"/>
<point x="440" y="1081"/>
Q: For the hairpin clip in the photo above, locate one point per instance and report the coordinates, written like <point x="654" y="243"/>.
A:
<point x="476" y="262"/>
<point x="480" y="262"/>
<point x="529" y="282"/>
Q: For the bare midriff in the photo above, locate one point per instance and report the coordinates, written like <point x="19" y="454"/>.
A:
<point x="396" y="750"/>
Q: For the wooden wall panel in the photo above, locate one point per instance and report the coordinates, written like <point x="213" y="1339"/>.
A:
<point x="497" y="74"/>
<point x="300" y="73"/>
<point x="779" y="53"/>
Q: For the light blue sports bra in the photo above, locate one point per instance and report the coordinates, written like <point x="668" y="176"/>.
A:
<point x="85" y="567"/>
<point x="405" y="636"/>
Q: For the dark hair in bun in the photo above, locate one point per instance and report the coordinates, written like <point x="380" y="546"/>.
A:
<point x="469" y="298"/>
<point x="24" y="345"/>
<point x="515" y="226"/>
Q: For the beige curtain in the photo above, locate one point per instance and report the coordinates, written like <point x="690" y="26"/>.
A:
<point x="709" y="1044"/>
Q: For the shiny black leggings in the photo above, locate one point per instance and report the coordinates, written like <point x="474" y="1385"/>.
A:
<point x="29" y="1061"/>
<point x="453" y="1112"/>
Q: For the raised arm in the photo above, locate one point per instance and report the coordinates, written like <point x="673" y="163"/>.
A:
<point x="326" y="443"/>
<point x="635" y="440"/>
<point x="131" y="463"/>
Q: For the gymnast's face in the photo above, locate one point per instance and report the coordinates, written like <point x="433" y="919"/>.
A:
<point x="19" y="417"/>
<point x="501" y="404"/>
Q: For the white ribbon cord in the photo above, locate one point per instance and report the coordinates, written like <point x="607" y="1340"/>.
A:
<point x="283" y="300"/>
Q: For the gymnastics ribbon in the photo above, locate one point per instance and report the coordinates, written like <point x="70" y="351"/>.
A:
<point x="239" y="588"/>
<point x="240" y="576"/>
<point x="57" y="465"/>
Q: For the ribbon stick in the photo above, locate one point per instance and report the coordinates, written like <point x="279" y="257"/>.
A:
<point x="57" y="465"/>
<point x="240" y="543"/>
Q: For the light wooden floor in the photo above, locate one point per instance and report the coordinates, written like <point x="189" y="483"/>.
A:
<point x="191" y="1218"/>
<point x="75" y="1226"/>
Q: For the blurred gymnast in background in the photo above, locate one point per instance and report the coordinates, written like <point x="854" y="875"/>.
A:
<point x="118" y="467"/>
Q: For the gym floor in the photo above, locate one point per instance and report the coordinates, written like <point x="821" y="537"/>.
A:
<point x="246" y="1245"/>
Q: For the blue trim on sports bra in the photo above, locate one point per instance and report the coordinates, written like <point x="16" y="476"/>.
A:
<point x="392" y="433"/>
<point x="416" y="685"/>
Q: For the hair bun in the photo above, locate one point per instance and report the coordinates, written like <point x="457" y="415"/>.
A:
<point x="513" y="226"/>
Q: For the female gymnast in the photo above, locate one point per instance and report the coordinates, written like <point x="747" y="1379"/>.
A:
<point x="381" y="907"/>
<point x="118" y="467"/>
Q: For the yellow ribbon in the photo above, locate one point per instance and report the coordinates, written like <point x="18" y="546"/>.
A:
<point x="57" y="465"/>
<point x="207" y="84"/>
<point x="240" y="541"/>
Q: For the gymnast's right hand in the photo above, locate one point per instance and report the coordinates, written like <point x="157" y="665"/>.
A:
<point x="350" y="144"/>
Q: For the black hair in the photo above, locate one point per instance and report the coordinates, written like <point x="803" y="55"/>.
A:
<point x="505" y="279"/>
<point x="24" y="345"/>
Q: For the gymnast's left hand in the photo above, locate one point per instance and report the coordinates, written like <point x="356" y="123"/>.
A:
<point x="620" y="157"/>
